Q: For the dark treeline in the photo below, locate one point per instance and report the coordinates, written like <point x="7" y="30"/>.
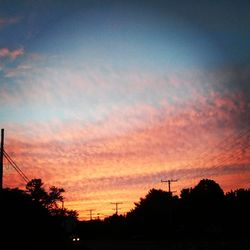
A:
<point x="34" y="217"/>
<point x="202" y="212"/>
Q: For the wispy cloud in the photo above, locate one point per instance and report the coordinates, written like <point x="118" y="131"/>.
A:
<point x="160" y="139"/>
<point x="183" y="128"/>
<point x="12" y="54"/>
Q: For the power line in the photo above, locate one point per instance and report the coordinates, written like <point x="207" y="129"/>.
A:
<point x="1" y="158"/>
<point x="232" y="142"/>
<point x="15" y="166"/>
<point x="227" y="147"/>
<point x="222" y="159"/>
<point x="227" y="144"/>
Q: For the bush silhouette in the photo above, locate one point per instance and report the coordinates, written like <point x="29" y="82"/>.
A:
<point x="26" y="221"/>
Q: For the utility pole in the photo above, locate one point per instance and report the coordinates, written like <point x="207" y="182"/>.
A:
<point x="116" y="206"/>
<point x="170" y="207"/>
<point x="1" y="159"/>
<point x="169" y="184"/>
<point x="90" y="213"/>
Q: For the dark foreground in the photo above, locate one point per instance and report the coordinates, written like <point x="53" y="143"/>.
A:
<point x="163" y="245"/>
<point x="108" y="244"/>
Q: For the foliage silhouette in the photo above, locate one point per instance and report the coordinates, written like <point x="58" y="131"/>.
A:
<point x="236" y="213"/>
<point x="33" y="218"/>
<point x="37" y="191"/>
<point x="47" y="199"/>
<point x="202" y="212"/>
<point x="153" y="212"/>
<point x="202" y="208"/>
<point x="25" y="221"/>
<point x="207" y="191"/>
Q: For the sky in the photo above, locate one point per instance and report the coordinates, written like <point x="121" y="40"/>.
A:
<point x="108" y="98"/>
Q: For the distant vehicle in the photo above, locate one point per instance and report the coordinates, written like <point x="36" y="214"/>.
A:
<point x="75" y="239"/>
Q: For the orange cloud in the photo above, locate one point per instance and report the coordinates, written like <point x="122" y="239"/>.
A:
<point x="128" y="152"/>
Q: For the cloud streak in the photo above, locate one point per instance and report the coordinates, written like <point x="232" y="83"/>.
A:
<point x="101" y="133"/>
<point x="127" y="150"/>
<point x="12" y="54"/>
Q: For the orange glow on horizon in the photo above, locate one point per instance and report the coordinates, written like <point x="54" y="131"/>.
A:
<point x="98" y="167"/>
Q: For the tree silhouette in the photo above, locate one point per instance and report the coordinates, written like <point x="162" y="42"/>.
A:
<point x="237" y="204"/>
<point x="185" y="194"/>
<point x="207" y="191"/>
<point x="33" y="217"/>
<point x="26" y="222"/>
<point x="36" y="190"/>
<point x="50" y="199"/>
<point x="201" y="212"/>
<point x="154" y="212"/>
<point x="202" y="208"/>
<point x="54" y="196"/>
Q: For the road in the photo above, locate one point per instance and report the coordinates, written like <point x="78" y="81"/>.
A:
<point x="162" y="245"/>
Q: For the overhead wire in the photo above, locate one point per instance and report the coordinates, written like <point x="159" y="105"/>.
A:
<point x="226" y="145"/>
<point x="15" y="166"/>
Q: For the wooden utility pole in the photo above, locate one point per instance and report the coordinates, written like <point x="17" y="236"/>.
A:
<point x="116" y="206"/>
<point x="90" y="213"/>
<point x="1" y="159"/>
<point x="169" y="184"/>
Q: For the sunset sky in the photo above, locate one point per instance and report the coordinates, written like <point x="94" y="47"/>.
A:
<point x="106" y="98"/>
